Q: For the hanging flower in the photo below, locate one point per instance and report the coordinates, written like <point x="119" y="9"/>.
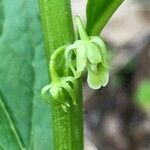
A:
<point x="90" y="52"/>
<point x="61" y="89"/>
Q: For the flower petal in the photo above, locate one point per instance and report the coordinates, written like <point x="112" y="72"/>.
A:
<point x="81" y="60"/>
<point x="103" y="49"/>
<point x="97" y="78"/>
<point x="68" y="56"/>
<point x="93" y="53"/>
<point x="45" y="89"/>
<point x="45" y="92"/>
<point x="55" y="92"/>
<point x="70" y="91"/>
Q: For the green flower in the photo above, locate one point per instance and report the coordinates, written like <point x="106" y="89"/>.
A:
<point x="88" y="52"/>
<point x="98" y="73"/>
<point x="60" y="90"/>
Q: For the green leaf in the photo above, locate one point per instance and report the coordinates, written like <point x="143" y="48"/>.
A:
<point x="7" y="130"/>
<point x="23" y="73"/>
<point x="1" y="16"/>
<point x="98" y="14"/>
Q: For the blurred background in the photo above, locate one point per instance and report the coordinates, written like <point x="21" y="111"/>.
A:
<point x="117" y="117"/>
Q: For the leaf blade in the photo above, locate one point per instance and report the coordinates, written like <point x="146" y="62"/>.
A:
<point x="98" y="14"/>
<point x="8" y="130"/>
<point x="23" y="73"/>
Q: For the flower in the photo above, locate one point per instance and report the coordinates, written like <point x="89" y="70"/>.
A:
<point x="90" y="54"/>
<point x="60" y="90"/>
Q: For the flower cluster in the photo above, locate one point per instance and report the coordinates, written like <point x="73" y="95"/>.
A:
<point x="61" y="88"/>
<point x="89" y="52"/>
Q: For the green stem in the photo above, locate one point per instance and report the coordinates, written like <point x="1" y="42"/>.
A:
<point x="82" y="32"/>
<point x="52" y="66"/>
<point x="58" y="31"/>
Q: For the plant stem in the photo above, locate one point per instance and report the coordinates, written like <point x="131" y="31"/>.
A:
<point x="58" y="31"/>
<point x="81" y="29"/>
<point x="52" y="65"/>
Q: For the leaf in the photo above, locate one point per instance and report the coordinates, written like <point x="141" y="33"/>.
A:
<point x="2" y="16"/>
<point x="98" y="13"/>
<point x="11" y="141"/>
<point x="23" y="73"/>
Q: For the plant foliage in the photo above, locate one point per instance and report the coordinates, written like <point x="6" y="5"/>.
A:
<point x="24" y="117"/>
<point x="25" y="120"/>
<point x="99" y="13"/>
